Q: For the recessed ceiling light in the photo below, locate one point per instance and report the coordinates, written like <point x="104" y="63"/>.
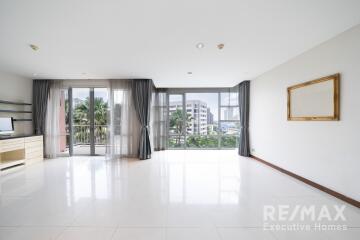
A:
<point x="200" y="45"/>
<point x="34" y="47"/>
<point x="221" y="46"/>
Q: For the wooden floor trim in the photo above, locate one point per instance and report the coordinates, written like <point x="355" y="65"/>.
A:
<point x="311" y="183"/>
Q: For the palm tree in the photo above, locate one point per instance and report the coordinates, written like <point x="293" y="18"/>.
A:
<point x="82" y="117"/>
<point x="176" y="123"/>
<point x="101" y="110"/>
<point x="82" y="111"/>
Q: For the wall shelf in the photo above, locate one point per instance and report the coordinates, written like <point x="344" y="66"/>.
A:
<point x="15" y="103"/>
<point x="15" y="111"/>
<point x="22" y="120"/>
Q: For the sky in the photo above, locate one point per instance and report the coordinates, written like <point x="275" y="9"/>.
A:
<point x="83" y="93"/>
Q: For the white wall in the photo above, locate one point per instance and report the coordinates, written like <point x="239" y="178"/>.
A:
<point x="325" y="152"/>
<point x="18" y="89"/>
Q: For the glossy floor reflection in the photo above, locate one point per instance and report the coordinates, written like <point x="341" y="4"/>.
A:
<point x="175" y="195"/>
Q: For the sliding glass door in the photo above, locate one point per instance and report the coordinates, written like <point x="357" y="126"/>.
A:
<point x="87" y="122"/>
<point x="101" y="118"/>
<point x="82" y="131"/>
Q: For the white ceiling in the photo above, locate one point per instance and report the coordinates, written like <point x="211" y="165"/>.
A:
<point x="156" y="38"/>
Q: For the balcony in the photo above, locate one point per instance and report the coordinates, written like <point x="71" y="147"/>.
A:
<point x="81" y="140"/>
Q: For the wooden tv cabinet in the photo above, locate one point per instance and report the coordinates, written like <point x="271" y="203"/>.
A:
<point x="20" y="150"/>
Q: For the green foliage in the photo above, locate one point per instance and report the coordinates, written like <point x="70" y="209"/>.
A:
<point x="176" y="121"/>
<point x="201" y="141"/>
<point x="204" y="141"/>
<point x="175" y="142"/>
<point x="81" y="116"/>
<point x="82" y="111"/>
<point x="195" y="141"/>
<point x="228" y="142"/>
<point x="101" y="111"/>
<point x="82" y="133"/>
<point x="177" y="127"/>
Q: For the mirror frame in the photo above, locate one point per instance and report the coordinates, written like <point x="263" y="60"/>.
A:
<point x="336" y="98"/>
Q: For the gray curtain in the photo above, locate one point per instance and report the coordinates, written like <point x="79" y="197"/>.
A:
<point x="142" y="93"/>
<point x="41" y="90"/>
<point x="244" y="98"/>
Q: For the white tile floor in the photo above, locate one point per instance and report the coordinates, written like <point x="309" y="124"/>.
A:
<point x="176" y="195"/>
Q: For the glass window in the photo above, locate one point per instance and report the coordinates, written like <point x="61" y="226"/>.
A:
<point x="229" y="113"/>
<point x="101" y="104"/>
<point x="176" y="117"/>
<point x="81" y="121"/>
<point x="202" y="120"/>
<point x="204" y="112"/>
<point x="229" y="141"/>
<point x="211" y="120"/>
<point x="229" y="99"/>
<point x="176" y="141"/>
<point x="202" y="141"/>
<point x="229" y="128"/>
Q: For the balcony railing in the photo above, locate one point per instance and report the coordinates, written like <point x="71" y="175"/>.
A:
<point x="82" y="134"/>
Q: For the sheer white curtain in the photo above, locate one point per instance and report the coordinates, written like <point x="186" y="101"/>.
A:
<point x="52" y="129"/>
<point x="124" y="127"/>
<point x="159" y="120"/>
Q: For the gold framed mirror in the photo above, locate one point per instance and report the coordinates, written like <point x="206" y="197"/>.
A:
<point x="316" y="100"/>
